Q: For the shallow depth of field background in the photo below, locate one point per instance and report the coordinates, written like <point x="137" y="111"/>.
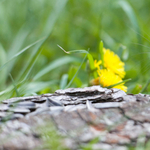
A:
<point x="43" y="67"/>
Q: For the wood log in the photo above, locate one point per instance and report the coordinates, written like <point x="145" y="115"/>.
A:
<point x="114" y="119"/>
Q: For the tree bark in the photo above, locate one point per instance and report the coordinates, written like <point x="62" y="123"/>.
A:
<point x="110" y="118"/>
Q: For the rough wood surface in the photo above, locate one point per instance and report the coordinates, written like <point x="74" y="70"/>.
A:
<point x="117" y="119"/>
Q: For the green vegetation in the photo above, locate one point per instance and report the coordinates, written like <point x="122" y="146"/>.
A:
<point x="36" y="34"/>
<point x="33" y="34"/>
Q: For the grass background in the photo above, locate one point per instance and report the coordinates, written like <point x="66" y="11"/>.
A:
<point x="31" y="30"/>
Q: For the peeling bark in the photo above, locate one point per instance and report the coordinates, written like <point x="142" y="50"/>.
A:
<point x="117" y="119"/>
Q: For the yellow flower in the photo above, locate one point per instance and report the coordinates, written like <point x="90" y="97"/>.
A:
<point x="107" y="78"/>
<point x="113" y="72"/>
<point x="113" y="63"/>
<point x="97" y="64"/>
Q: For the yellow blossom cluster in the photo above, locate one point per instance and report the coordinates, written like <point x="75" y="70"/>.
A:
<point x="112" y="72"/>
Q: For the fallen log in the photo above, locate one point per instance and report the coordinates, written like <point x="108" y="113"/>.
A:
<point x="114" y="119"/>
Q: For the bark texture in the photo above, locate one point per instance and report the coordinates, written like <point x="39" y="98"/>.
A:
<point x="110" y="117"/>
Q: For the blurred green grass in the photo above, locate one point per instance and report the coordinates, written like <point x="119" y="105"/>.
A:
<point x="43" y="67"/>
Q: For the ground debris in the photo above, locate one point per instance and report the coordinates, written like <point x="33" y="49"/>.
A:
<point x="112" y="117"/>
